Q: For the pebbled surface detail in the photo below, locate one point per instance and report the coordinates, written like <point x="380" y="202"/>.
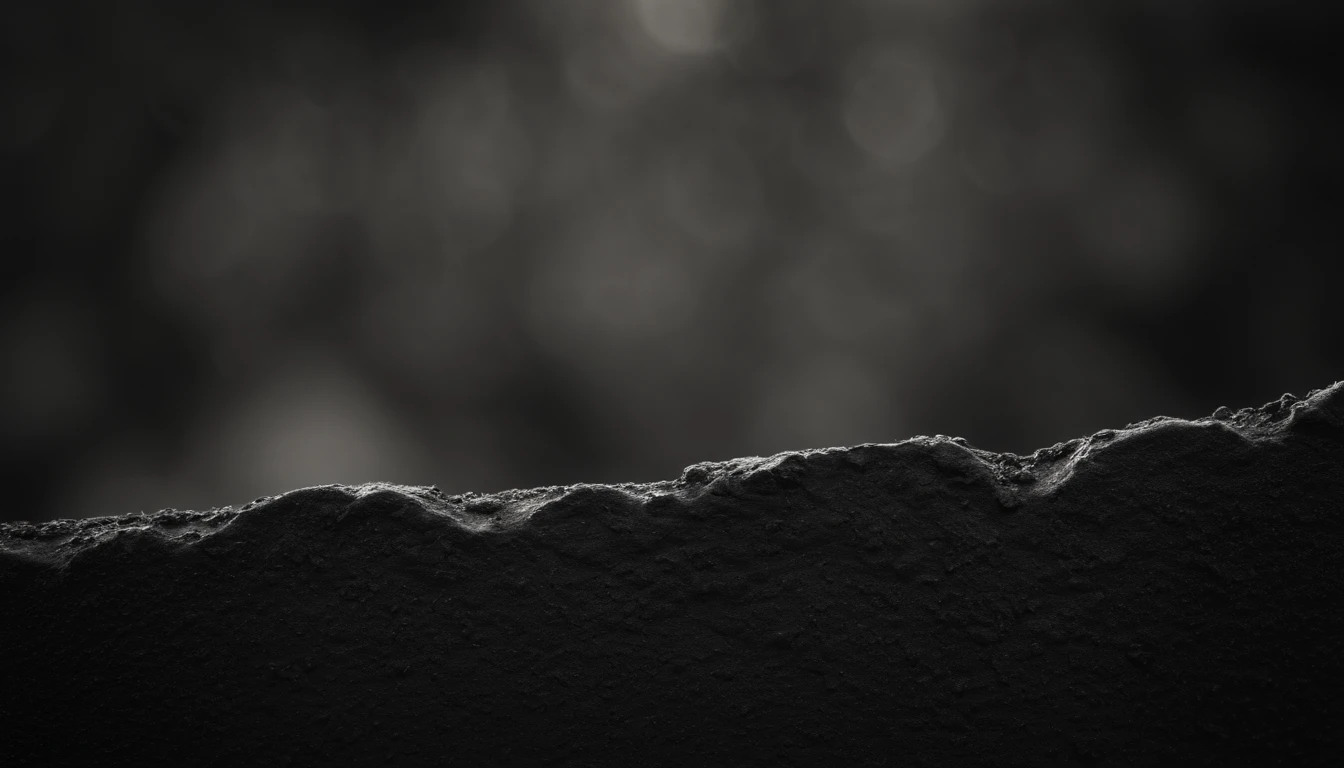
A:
<point x="1165" y="594"/>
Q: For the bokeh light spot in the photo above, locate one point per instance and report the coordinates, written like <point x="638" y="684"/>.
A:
<point x="1142" y="233"/>
<point x="693" y="27"/>
<point x="893" y="110"/>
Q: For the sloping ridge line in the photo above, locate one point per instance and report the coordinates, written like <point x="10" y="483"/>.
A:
<point x="1013" y="480"/>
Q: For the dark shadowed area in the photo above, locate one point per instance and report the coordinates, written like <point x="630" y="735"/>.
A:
<point x="1165" y="595"/>
<point x="511" y="244"/>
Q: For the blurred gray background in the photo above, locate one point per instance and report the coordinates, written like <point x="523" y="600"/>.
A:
<point x="256" y="246"/>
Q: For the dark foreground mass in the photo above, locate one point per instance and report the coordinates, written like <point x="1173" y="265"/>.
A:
<point x="1165" y="594"/>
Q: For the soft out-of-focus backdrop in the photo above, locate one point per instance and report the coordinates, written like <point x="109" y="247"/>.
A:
<point x="495" y="244"/>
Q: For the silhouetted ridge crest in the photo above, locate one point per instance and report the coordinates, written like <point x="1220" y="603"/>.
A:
<point x="1163" y="594"/>
<point x="919" y="466"/>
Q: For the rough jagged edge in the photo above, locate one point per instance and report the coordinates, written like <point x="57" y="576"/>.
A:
<point x="1014" y="479"/>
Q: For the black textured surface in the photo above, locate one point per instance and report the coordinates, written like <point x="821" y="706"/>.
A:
<point x="1166" y="594"/>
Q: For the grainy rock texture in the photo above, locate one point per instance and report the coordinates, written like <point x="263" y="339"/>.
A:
<point x="1164" y="594"/>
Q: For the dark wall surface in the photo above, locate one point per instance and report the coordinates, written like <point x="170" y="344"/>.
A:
<point x="489" y="245"/>
<point x="1163" y="595"/>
